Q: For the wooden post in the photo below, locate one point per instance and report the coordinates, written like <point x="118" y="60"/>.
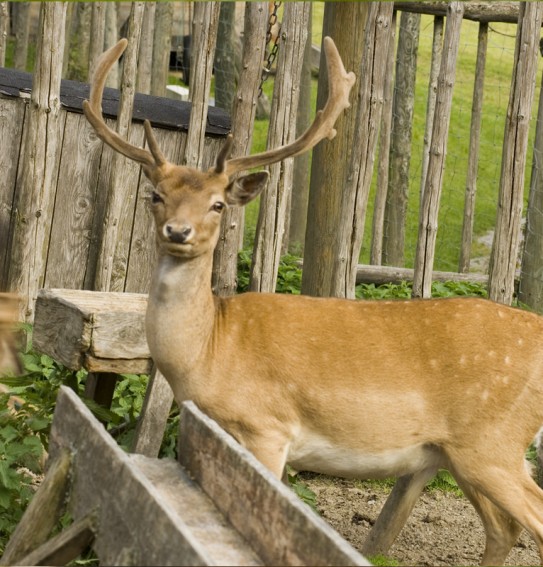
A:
<point x="224" y="280"/>
<point x="504" y="254"/>
<point x="424" y="258"/>
<point x="33" y="209"/>
<point x="98" y="28"/>
<point x="4" y="30"/>
<point x="377" y="235"/>
<point x="370" y="103"/>
<point x="329" y="169"/>
<point x="437" y="52"/>
<point x="22" y="30"/>
<point x="121" y="189"/>
<point x="531" y="274"/>
<point x="204" y="36"/>
<point x="161" y="48"/>
<point x="272" y="216"/>
<point x="110" y="39"/>
<point x="145" y="56"/>
<point x="400" y="144"/>
<point x="473" y="154"/>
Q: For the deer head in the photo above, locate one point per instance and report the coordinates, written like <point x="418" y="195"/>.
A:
<point x="189" y="231"/>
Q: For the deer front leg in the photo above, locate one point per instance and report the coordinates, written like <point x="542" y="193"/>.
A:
<point x="395" y="512"/>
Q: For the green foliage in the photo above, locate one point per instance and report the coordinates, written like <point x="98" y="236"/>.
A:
<point x="304" y="493"/>
<point x="383" y="560"/>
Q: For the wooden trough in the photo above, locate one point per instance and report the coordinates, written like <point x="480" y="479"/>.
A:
<point x="217" y="506"/>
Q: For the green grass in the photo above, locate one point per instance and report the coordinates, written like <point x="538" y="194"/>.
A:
<point x="500" y="53"/>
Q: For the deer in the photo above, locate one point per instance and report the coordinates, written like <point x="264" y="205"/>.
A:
<point x="360" y="389"/>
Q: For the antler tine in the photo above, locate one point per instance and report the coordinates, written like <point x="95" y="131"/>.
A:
<point x="93" y="111"/>
<point x="340" y="83"/>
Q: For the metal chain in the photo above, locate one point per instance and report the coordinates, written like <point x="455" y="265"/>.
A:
<point x="275" y="47"/>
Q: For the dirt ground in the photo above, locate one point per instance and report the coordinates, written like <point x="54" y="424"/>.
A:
<point x="443" y="529"/>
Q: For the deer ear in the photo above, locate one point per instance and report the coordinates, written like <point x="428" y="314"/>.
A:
<point x="246" y="188"/>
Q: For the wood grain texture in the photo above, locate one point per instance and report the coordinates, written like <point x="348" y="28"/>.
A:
<point x="282" y="529"/>
<point x="103" y="332"/>
<point x="12" y="118"/>
<point x="71" y="230"/>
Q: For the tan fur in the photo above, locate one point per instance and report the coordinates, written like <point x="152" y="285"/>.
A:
<point x="363" y="389"/>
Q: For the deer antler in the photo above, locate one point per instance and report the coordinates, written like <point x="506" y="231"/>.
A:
<point x="339" y="86"/>
<point x="93" y="111"/>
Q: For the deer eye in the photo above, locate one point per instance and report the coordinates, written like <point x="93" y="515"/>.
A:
<point x="218" y="207"/>
<point x="156" y="198"/>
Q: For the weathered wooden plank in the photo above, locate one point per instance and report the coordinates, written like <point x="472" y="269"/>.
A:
<point x="282" y="529"/>
<point x="74" y="326"/>
<point x="43" y="511"/>
<point x="65" y="547"/>
<point x="39" y="170"/>
<point x="154" y="415"/>
<point x="162" y="112"/>
<point x="149" y="512"/>
<point x="71" y="231"/>
<point x="12" y="117"/>
<point x="142" y="253"/>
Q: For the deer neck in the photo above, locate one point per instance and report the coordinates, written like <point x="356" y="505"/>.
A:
<point x="181" y="310"/>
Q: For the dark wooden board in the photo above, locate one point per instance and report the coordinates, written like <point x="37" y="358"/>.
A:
<point x="162" y="112"/>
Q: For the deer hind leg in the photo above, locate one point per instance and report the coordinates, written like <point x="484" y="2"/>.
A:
<point x="516" y="498"/>
<point x="395" y="512"/>
<point x="501" y="530"/>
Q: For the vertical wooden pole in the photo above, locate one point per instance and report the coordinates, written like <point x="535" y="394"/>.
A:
<point x="400" y="144"/>
<point x="145" y="57"/>
<point x="503" y="259"/>
<point x="376" y="250"/>
<point x="282" y="130"/>
<point x="204" y="37"/>
<point x="437" y="51"/>
<point x="531" y="274"/>
<point x="243" y="117"/>
<point x="425" y="253"/>
<point x="473" y="154"/>
<point x="343" y="21"/>
<point x="111" y="266"/>
<point x="98" y="25"/>
<point x="370" y="103"/>
<point x="36" y="185"/>
<point x="4" y="29"/>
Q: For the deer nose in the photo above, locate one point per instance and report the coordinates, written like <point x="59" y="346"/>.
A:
<point x="179" y="235"/>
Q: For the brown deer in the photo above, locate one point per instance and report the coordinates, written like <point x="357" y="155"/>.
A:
<point x="362" y="389"/>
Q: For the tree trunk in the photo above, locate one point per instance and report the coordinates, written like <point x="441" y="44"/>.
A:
<point x="161" y="48"/>
<point x="282" y="131"/>
<point x="342" y="21"/>
<point x="431" y="195"/>
<point x="243" y="117"/>
<point x="37" y="180"/>
<point x="504" y="254"/>
<point x="400" y="146"/>
<point x="300" y="182"/>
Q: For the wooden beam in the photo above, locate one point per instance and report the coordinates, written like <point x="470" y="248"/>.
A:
<point x="282" y="529"/>
<point x="476" y="11"/>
